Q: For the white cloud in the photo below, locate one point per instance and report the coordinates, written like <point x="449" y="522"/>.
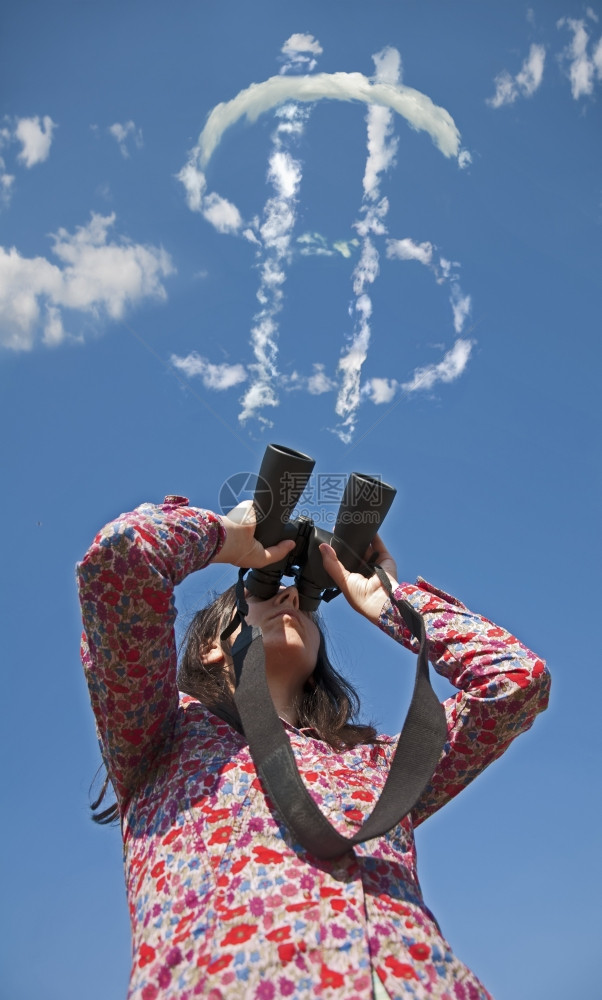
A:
<point x="276" y="231"/>
<point x="94" y="277"/>
<point x="319" y="382"/>
<point x="524" y="84"/>
<point x="464" y="159"/>
<point x="461" y="306"/>
<point x="222" y="214"/>
<point x="313" y="244"/>
<point x="298" y="52"/>
<point x="418" y="109"/>
<point x="583" y="69"/>
<point x="35" y="137"/>
<point x="345" y="247"/>
<point x="406" y="249"/>
<point x="217" y="377"/>
<point x="381" y="150"/>
<point x="387" y="64"/>
<point x="6" y="183"/>
<point x="452" y="366"/>
<point x="121" y="132"/>
<point x="380" y="390"/>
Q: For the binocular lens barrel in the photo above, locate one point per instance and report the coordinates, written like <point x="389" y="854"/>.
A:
<point x="365" y="504"/>
<point x="283" y="476"/>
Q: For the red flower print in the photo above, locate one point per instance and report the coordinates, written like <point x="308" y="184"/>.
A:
<point x="216" y="815"/>
<point x="158" y="869"/>
<point x="355" y="815"/>
<point x="221" y="836"/>
<point x="219" y="964"/>
<point x="265" y="856"/>
<point x="111" y="579"/>
<point x="420" y="951"/>
<point x="330" y="979"/>
<point x="538" y="668"/>
<point x="280" y="934"/>
<point x="150" y="992"/>
<point x="519" y="677"/>
<point x="146" y="535"/>
<point x="133" y="736"/>
<point x="363" y="795"/>
<point x="338" y="905"/>
<point x="232" y="914"/>
<point x="311" y="775"/>
<point x="147" y="954"/>
<point x="286" y="952"/>
<point x="110" y="597"/>
<point x="157" y="600"/>
<point x="240" y="934"/>
<point x="400" y="969"/>
<point x="240" y="864"/>
<point x="172" y="835"/>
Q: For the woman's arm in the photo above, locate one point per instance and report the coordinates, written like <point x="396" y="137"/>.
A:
<point x="502" y="687"/>
<point x="126" y="586"/>
<point x="502" y="684"/>
<point x="126" y="582"/>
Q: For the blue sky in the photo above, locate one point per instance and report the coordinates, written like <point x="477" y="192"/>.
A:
<point x="399" y="275"/>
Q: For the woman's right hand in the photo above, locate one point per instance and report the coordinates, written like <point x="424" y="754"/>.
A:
<point x="241" y="548"/>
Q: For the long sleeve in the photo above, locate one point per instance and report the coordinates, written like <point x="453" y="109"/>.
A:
<point x="502" y="687"/>
<point x="126" y="587"/>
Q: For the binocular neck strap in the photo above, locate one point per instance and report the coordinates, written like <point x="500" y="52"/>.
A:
<point x="416" y="756"/>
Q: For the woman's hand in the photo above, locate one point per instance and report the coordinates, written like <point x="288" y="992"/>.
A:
<point x="364" y="594"/>
<point x="241" y="548"/>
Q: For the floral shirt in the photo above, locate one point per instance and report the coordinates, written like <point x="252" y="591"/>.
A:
<point x="223" y="903"/>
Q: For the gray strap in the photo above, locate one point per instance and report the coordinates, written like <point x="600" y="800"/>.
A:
<point x="416" y="756"/>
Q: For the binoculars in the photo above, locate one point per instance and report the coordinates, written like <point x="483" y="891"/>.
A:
<point x="283" y="476"/>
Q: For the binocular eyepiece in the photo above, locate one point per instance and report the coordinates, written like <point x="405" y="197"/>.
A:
<point x="283" y="476"/>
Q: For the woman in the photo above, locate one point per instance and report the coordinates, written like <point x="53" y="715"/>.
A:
<point x="223" y="903"/>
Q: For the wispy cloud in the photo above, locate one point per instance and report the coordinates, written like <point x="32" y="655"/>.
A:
<point x="217" y="377"/>
<point x="418" y="109"/>
<point x="315" y="384"/>
<point x="222" y="214"/>
<point x="299" y="52"/>
<point x="316" y="245"/>
<point x="447" y="370"/>
<point x="407" y="249"/>
<point x="122" y="132"/>
<point x="508" y="88"/>
<point x="275" y="234"/>
<point x="382" y="148"/>
<point x="35" y="136"/>
<point x="95" y="277"/>
<point x="583" y="62"/>
<point x="6" y="183"/>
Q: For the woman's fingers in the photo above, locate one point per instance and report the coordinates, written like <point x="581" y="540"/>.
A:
<point x="333" y="566"/>
<point x="277" y="552"/>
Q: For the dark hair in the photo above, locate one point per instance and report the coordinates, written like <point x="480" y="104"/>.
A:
<point x="328" y="704"/>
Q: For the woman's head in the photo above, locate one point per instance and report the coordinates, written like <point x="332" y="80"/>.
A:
<point x="293" y="640"/>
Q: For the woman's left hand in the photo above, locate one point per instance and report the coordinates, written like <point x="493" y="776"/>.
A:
<point x="364" y="594"/>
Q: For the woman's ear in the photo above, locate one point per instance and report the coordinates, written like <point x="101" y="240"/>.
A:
<point x="213" y="654"/>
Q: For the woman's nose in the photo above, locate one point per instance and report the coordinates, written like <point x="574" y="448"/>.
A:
<point x="288" y="595"/>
